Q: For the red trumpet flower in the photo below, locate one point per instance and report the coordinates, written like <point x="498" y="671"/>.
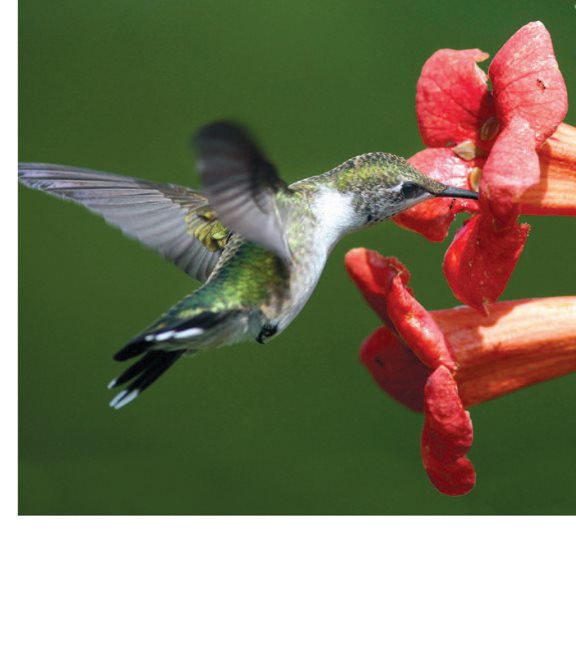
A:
<point x="442" y="362"/>
<point x="508" y="143"/>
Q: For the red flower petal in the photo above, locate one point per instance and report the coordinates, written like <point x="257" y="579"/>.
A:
<point x="452" y="98"/>
<point x="528" y="83"/>
<point x="395" y="368"/>
<point x="531" y="102"/>
<point x="382" y="281"/>
<point x="447" y="436"/>
<point x="446" y="417"/>
<point x="416" y="326"/>
<point x="455" y="478"/>
<point x="481" y="258"/>
<point x="373" y="274"/>
<point x="432" y="219"/>
<point x="512" y="167"/>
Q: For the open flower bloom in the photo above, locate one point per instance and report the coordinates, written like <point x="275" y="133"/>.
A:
<point x="445" y="361"/>
<point x="508" y="143"/>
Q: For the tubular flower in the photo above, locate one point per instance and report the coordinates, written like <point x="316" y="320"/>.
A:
<point x="508" y="143"/>
<point x="442" y="362"/>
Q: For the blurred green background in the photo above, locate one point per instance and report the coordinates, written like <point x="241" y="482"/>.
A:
<point x="298" y="426"/>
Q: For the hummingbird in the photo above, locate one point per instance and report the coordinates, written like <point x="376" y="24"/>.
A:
<point x="257" y="244"/>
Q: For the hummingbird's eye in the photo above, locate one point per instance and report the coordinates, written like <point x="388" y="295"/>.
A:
<point x="411" y="190"/>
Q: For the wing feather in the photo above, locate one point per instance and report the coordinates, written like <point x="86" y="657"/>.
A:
<point x="242" y="185"/>
<point x="163" y="217"/>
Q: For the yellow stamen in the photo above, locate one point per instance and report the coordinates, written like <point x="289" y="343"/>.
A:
<point x="466" y="150"/>
<point x="475" y="178"/>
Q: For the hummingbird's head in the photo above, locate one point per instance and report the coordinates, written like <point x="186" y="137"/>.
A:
<point x="383" y="185"/>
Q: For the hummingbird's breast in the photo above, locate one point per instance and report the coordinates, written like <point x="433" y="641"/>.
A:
<point x="304" y="275"/>
<point x="317" y="221"/>
<point x="271" y="290"/>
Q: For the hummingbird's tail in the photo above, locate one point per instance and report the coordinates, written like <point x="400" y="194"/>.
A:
<point x="142" y="374"/>
<point x="167" y="340"/>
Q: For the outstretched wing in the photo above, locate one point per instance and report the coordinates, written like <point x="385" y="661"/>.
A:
<point x="175" y="221"/>
<point x="242" y="185"/>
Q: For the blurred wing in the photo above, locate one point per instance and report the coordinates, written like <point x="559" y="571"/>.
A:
<point x="241" y="185"/>
<point x="175" y="221"/>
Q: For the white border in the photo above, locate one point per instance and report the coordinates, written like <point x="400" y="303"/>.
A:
<point x="268" y="593"/>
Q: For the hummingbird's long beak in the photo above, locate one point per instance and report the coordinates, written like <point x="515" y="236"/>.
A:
<point x="455" y="192"/>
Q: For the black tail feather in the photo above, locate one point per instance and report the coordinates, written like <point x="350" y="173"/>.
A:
<point x="133" y="348"/>
<point x="204" y="321"/>
<point x="131" y="372"/>
<point x="142" y="374"/>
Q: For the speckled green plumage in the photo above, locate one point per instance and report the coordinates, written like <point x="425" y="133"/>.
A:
<point x="378" y="167"/>
<point x="205" y="227"/>
<point x="246" y="275"/>
<point x="249" y="276"/>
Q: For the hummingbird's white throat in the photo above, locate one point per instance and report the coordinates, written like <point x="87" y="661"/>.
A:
<point x="335" y="214"/>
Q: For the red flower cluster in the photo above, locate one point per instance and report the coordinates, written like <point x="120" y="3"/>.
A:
<point x="507" y="142"/>
<point x="442" y="362"/>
